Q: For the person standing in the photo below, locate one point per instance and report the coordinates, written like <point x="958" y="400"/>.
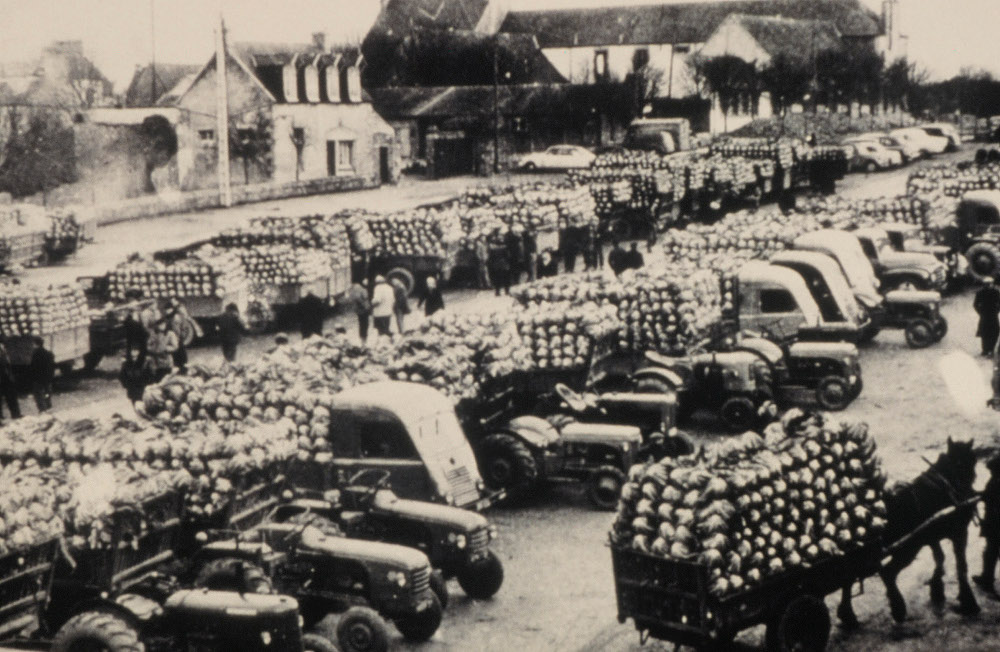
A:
<point x="383" y="304"/>
<point x="547" y="265"/>
<point x="617" y="258"/>
<point x="500" y="269"/>
<point x="990" y="530"/>
<point x="134" y="377"/>
<point x="357" y="296"/>
<point x="987" y="306"/>
<point x="515" y="259"/>
<point x="136" y="335"/>
<point x="530" y="255"/>
<point x="633" y="258"/>
<point x="432" y="300"/>
<point x="42" y="371"/>
<point x="8" y="383"/>
<point x="401" y="302"/>
<point x="231" y="331"/>
<point x="482" y="261"/>
<point x="185" y="328"/>
<point x="163" y="344"/>
<point x="311" y="310"/>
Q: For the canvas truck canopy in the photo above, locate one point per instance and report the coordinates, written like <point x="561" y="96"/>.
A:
<point x="846" y="250"/>
<point x="837" y="290"/>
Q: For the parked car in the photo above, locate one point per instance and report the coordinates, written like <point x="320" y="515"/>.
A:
<point x="871" y="155"/>
<point x="557" y="157"/>
<point x="907" y="149"/>
<point x="925" y="142"/>
<point x="944" y="130"/>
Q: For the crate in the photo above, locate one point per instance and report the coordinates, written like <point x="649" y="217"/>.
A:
<point x="25" y="578"/>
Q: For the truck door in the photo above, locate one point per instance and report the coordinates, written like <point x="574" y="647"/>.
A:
<point x="770" y="310"/>
<point x="376" y="439"/>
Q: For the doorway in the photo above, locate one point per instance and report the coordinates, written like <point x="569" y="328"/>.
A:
<point x="383" y="164"/>
<point x="331" y="158"/>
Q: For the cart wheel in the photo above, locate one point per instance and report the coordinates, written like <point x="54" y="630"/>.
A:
<point x="605" y="486"/>
<point x="404" y="276"/>
<point x="803" y="626"/>
<point x="919" y="334"/>
<point x="833" y="393"/>
<point x="738" y="413"/>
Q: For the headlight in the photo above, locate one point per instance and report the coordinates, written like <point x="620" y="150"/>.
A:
<point x="397" y="577"/>
<point x="448" y="498"/>
<point x="458" y="540"/>
<point x="851" y="380"/>
<point x="265" y="638"/>
<point x="492" y="531"/>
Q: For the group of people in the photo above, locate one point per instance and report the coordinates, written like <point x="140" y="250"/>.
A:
<point x="37" y="376"/>
<point x="620" y="260"/>
<point x="389" y="299"/>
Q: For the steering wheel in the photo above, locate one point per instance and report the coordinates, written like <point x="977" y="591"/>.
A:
<point x="576" y="402"/>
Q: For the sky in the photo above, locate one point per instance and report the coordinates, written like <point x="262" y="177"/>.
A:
<point x="944" y="35"/>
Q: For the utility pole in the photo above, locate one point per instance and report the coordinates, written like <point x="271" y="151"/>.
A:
<point x="222" y="116"/>
<point x="152" y="56"/>
<point x="496" y="103"/>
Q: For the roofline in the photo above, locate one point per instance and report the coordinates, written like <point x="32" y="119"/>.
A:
<point x="240" y="62"/>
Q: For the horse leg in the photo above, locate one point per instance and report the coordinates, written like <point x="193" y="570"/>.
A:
<point x="845" y="610"/>
<point x="937" y="579"/>
<point x="888" y="573"/>
<point x="966" y="600"/>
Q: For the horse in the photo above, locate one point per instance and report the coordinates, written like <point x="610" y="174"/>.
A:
<point x="947" y="483"/>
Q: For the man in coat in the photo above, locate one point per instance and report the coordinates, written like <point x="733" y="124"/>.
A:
<point x="42" y="370"/>
<point x="8" y="383"/>
<point x="432" y="299"/>
<point x="311" y="310"/>
<point x="231" y="331"/>
<point x="617" y="258"/>
<point x="357" y="297"/>
<point x="987" y="306"/>
<point x="401" y="306"/>
<point x="383" y="305"/>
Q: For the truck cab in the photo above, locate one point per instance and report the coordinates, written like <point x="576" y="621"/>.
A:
<point x="976" y="232"/>
<point x="776" y="299"/>
<point x="661" y="135"/>
<point x="907" y="237"/>
<point x="827" y="284"/>
<point x="407" y="429"/>
<point x="898" y="269"/>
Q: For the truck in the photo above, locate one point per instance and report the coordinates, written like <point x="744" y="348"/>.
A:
<point x="898" y="269"/>
<point x="904" y="237"/>
<point x="917" y="313"/>
<point x="661" y="135"/>
<point x="975" y="232"/>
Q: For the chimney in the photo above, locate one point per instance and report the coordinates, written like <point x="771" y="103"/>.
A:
<point x="319" y="40"/>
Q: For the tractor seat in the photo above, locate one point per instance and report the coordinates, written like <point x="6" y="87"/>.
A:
<point x="597" y="433"/>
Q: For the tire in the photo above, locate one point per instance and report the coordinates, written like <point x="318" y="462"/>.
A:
<point x="738" y="413"/>
<point x="940" y="328"/>
<point x="361" y="629"/>
<point x="833" y="393"/>
<point x="91" y="360"/>
<point x="420" y="627"/>
<point x="803" y="625"/>
<point x="984" y="260"/>
<point x="317" y="643"/>
<point x="97" y="631"/>
<point x="871" y="166"/>
<point x="919" y="334"/>
<point x="604" y="487"/>
<point x="404" y="275"/>
<point x="230" y="574"/>
<point x="482" y="579"/>
<point x="529" y="167"/>
<point x="507" y="463"/>
<point x="440" y="587"/>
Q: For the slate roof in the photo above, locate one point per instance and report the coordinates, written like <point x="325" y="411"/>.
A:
<point x="168" y="76"/>
<point x="792" y="38"/>
<point x="678" y="23"/>
<point x="400" y="16"/>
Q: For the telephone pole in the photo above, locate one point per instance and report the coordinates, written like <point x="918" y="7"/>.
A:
<point x="152" y="56"/>
<point x="222" y="116"/>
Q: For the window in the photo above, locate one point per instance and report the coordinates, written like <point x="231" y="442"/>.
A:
<point x="777" y="301"/>
<point x="298" y="136"/>
<point x="345" y="155"/>
<point x="682" y="49"/>
<point x="371" y="433"/>
<point x="206" y="136"/>
<point x="601" y="64"/>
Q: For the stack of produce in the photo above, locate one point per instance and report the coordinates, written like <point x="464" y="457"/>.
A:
<point x="630" y="159"/>
<point x="359" y="234"/>
<point x="493" y="338"/>
<point x="562" y="336"/>
<point x="312" y="232"/>
<point x="757" y="233"/>
<point x="276" y="265"/>
<point x="780" y="152"/>
<point x="34" y="310"/>
<point x="480" y="225"/>
<point x="63" y="225"/>
<point x="417" y="232"/>
<point x="29" y="506"/>
<point x="214" y="272"/>
<point x="611" y="188"/>
<point x="756" y="507"/>
<point x="666" y="309"/>
<point x="850" y="213"/>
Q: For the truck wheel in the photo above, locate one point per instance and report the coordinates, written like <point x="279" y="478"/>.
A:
<point x="421" y="626"/>
<point x="91" y="360"/>
<point x="984" y="260"/>
<point x="404" y="276"/>
<point x="940" y="328"/>
<point x="833" y="393"/>
<point x="738" y="413"/>
<point x="440" y="587"/>
<point x="229" y="574"/>
<point x="804" y="625"/>
<point x="482" y="579"/>
<point x="317" y="643"/>
<point x="605" y="487"/>
<point x="361" y="629"/>
<point x="919" y="334"/>
<point x="97" y="631"/>
<point x="508" y="464"/>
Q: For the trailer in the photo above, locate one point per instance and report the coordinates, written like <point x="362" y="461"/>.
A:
<point x="23" y="249"/>
<point x="669" y="599"/>
<point x="68" y="345"/>
<point x="107" y="331"/>
<point x="25" y="580"/>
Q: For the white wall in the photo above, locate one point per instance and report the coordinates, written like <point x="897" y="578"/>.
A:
<point x="732" y="39"/>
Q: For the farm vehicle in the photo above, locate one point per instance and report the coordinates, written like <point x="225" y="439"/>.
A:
<point x="975" y="232"/>
<point x="897" y="269"/>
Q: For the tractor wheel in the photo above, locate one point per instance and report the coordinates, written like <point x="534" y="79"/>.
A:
<point x="605" y="487"/>
<point x="507" y="463"/>
<point x="317" y="643"/>
<point x="804" y="625"/>
<point x="421" y="626"/>
<point x="404" y="276"/>
<point x="984" y="260"/>
<point x="230" y="574"/>
<point x="738" y="413"/>
<point x="919" y="334"/>
<point x="940" y="328"/>
<point x="97" y="631"/>
<point x="482" y="579"/>
<point x="833" y="393"/>
<point x="361" y="629"/>
<point x="440" y="587"/>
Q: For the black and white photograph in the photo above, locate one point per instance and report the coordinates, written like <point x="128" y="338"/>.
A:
<point x="499" y="325"/>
